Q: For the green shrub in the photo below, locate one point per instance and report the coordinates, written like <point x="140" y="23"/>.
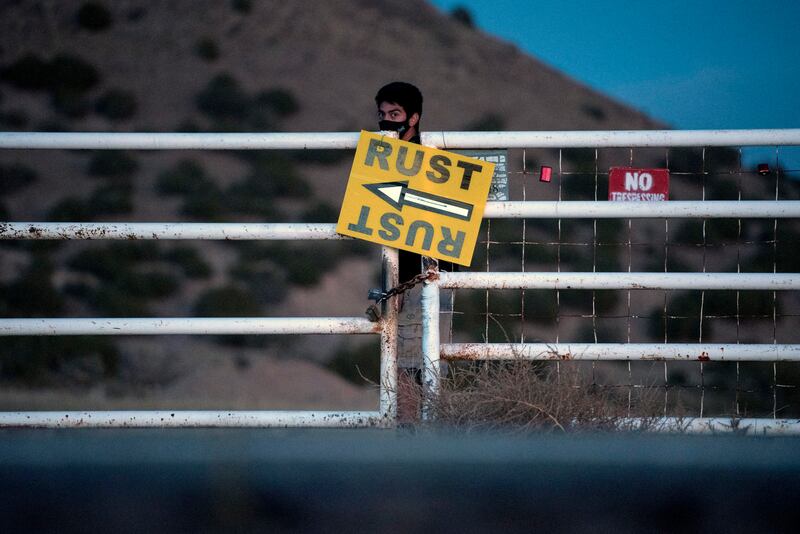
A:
<point x="136" y="14"/>
<point x="716" y="231"/>
<point x="722" y="189"/>
<point x="683" y="318"/>
<point x="111" y="199"/>
<point x="304" y="266"/>
<point x="146" y="285"/>
<point x="232" y="109"/>
<point x="14" y="177"/>
<point x="71" y="73"/>
<point x="230" y="301"/>
<point x="94" y="16"/>
<point x="581" y="301"/>
<point x="360" y="365"/>
<point x="752" y="303"/>
<point x="117" y="164"/>
<point x="65" y="77"/>
<point x="32" y="294"/>
<point x="685" y="159"/>
<point x="188" y="126"/>
<point x="226" y="301"/>
<point x="540" y="305"/>
<point x="70" y="103"/>
<point x="261" y="188"/>
<point x="579" y="160"/>
<point x="595" y="112"/>
<point x="207" y="205"/>
<point x="490" y="122"/>
<point x="15" y="119"/>
<point x="276" y="175"/>
<point x="71" y="209"/>
<point x="108" y="261"/>
<point x="223" y="99"/>
<point x="37" y="360"/>
<point x="279" y="100"/>
<point x="463" y="16"/>
<point x="320" y="212"/>
<point x="116" y="105"/>
<point x="264" y="280"/>
<point x="29" y="72"/>
<point x="113" y="302"/>
<point x="207" y="49"/>
<point x="242" y="6"/>
<point x="186" y="177"/>
<point x="124" y="286"/>
<point x="53" y="125"/>
<point x="189" y="260"/>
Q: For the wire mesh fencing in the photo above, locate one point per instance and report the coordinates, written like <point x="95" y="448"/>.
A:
<point x="658" y="245"/>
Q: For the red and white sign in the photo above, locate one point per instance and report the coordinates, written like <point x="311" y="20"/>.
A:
<point x="627" y="184"/>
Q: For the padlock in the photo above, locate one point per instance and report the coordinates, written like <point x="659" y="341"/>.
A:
<point x="373" y="313"/>
<point x="375" y="294"/>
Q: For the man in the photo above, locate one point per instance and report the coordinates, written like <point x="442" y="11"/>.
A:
<point x="399" y="110"/>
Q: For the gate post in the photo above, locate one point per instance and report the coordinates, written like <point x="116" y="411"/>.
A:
<point x="430" y="343"/>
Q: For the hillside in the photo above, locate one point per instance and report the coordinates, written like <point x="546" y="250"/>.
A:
<point x="232" y="66"/>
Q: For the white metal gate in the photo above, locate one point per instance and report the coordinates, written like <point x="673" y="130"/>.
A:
<point x="386" y="328"/>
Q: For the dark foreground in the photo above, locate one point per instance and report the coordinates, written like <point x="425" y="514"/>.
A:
<point x="385" y="481"/>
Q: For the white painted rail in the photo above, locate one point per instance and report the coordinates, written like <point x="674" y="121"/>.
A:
<point x="348" y="140"/>
<point x="387" y="327"/>
<point x="620" y="280"/>
<point x="187" y="325"/>
<point x="196" y="418"/>
<point x="728" y="352"/>
<point x="177" y="231"/>
<point x="674" y="209"/>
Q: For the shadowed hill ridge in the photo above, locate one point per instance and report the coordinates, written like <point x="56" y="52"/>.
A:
<point x="331" y="55"/>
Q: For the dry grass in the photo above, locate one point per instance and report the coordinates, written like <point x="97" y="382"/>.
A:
<point x="521" y="396"/>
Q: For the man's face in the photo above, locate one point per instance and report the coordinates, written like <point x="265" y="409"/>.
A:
<point x="389" y="111"/>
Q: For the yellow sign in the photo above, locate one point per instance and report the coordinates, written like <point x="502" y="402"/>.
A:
<point x="415" y="198"/>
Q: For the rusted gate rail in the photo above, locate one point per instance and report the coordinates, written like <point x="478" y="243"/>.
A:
<point x="433" y="350"/>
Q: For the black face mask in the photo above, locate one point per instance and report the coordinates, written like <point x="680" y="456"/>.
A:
<point x="394" y="126"/>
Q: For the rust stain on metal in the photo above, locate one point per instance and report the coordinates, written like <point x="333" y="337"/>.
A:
<point x="35" y="231"/>
<point x="704" y="357"/>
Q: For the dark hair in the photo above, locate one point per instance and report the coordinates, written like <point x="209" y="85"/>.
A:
<point x="401" y="93"/>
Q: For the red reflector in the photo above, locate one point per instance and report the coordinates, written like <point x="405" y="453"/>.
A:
<point x="545" y="173"/>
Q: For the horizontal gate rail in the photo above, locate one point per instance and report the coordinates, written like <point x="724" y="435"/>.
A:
<point x="614" y="138"/>
<point x="385" y="416"/>
<point x="187" y="325"/>
<point x="194" y="418"/>
<point x="348" y="140"/>
<point x="619" y="280"/>
<point x="731" y="352"/>
<point x="205" y="231"/>
<point x="327" y="231"/>
<point x="432" y="349"/>
<point x="674" y="209"/>
<point x="716" y="425"/>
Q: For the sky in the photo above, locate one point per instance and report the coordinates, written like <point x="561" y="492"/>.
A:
<point x="705" y="64"/>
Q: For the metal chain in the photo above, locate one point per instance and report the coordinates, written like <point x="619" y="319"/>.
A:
<point x="403" y="287"/>
<point x="373" y="312"/>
